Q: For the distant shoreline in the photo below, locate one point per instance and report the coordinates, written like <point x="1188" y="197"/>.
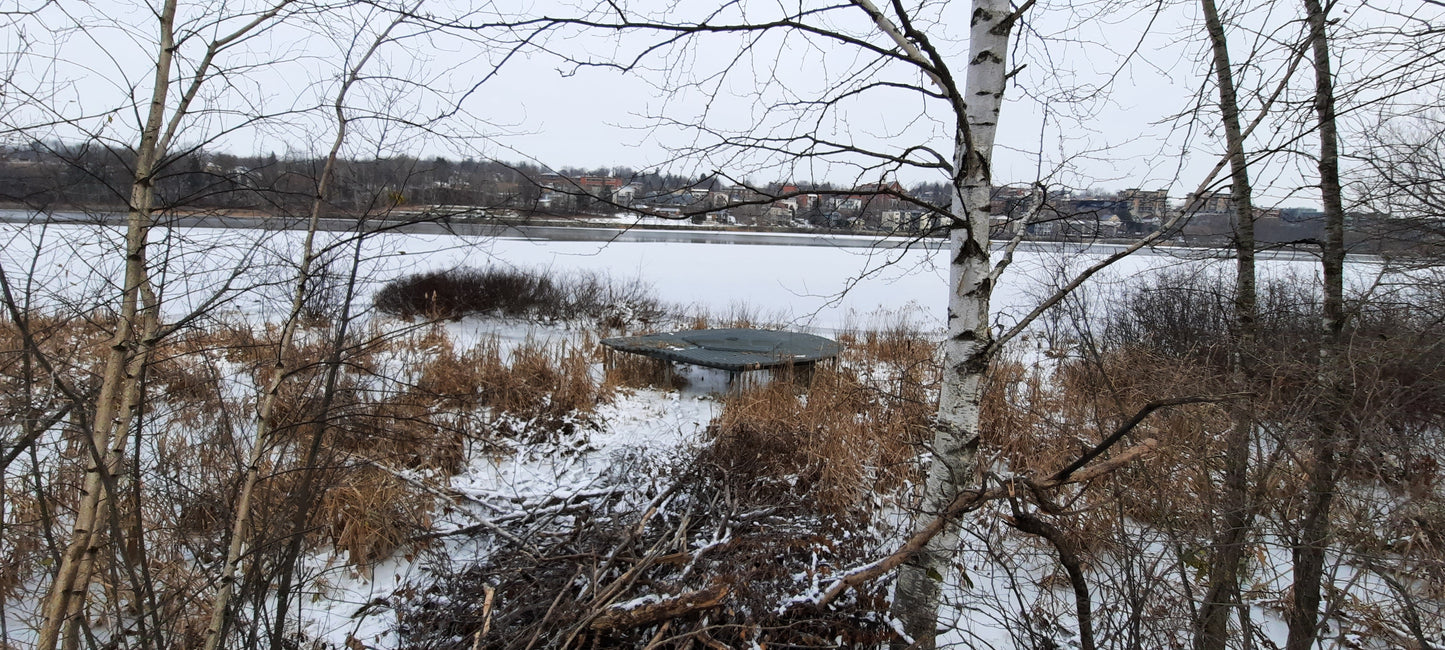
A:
<point x="600" y="229"/>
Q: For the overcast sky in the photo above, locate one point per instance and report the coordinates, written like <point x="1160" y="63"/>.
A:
<point x="1082" y="104"/>
<point x="1097" y="102"/>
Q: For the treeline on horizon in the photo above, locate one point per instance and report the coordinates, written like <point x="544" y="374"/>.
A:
<point x="51" y="177"/>
<point x="57" y="176"/>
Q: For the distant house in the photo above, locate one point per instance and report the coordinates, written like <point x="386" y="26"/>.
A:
<point x="626" y="194"/>
<point x="878" y="196"/>
<point x="1146" y="203"/>
<point x="1011" y="200"/>
<point x="599" y="185"/>
<point x="777" y="214"/>
<point x="892" y="188"/>
<point x="835" y="219"/>
<point x="907" y="221"/>
<point x="1216" y="201"/>
<point x="677" y="202"/>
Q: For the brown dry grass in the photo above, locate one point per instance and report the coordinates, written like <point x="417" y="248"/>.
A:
<point x="738" y="314"/>
<point x="839" y="442"/>
<point x="22" y="541"/>
<point x="73" y="346"/>
<point x="1037" y="420"/>
<point x="453" y="379"/>
<point x="551" y="379"/>
<point x="623" y="370"/>
<point x="374" y="421"/>
<point x="532" y="392"/>
<point x="900" y="344"/>
<point x="537" y="391"/>
<point x="369" y="514"/>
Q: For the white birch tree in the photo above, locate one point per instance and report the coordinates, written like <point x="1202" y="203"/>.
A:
<point x="968" y="343"/>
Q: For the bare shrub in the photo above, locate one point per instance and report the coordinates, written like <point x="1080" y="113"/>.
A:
<point x="1394" y="342"/>
<point x="612" y="304"/>
<point x="1171" y="337"/>
<point x="1038" y="419"/>
<point x="456" y="293"/>
<point x="1189" y="315"/>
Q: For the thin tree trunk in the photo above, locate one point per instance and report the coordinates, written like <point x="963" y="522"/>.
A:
<point x="72" y="581"/>
<point x="1314" y="536"/>
<point x="265" y="425"/>
<point x="110" y="466"/>
<point x="918" y="594"/>
<point x="1222" y="594"/>
<point x="1073" y="565"/>
<point x="265" y="415"/>
<point x="305" y="497"/>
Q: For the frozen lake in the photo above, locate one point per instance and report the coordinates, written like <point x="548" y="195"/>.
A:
<point x="811" y="284"/>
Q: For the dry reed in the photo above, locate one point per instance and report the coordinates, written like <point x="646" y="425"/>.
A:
<point x="841" y="443"/>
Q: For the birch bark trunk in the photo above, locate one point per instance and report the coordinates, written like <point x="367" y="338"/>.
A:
<point x="967" y="348"/>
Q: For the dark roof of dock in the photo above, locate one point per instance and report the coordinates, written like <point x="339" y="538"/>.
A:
<point x="733" y="349"/>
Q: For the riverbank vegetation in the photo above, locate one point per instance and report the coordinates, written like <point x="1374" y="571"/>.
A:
<point x="466" y="458"/>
